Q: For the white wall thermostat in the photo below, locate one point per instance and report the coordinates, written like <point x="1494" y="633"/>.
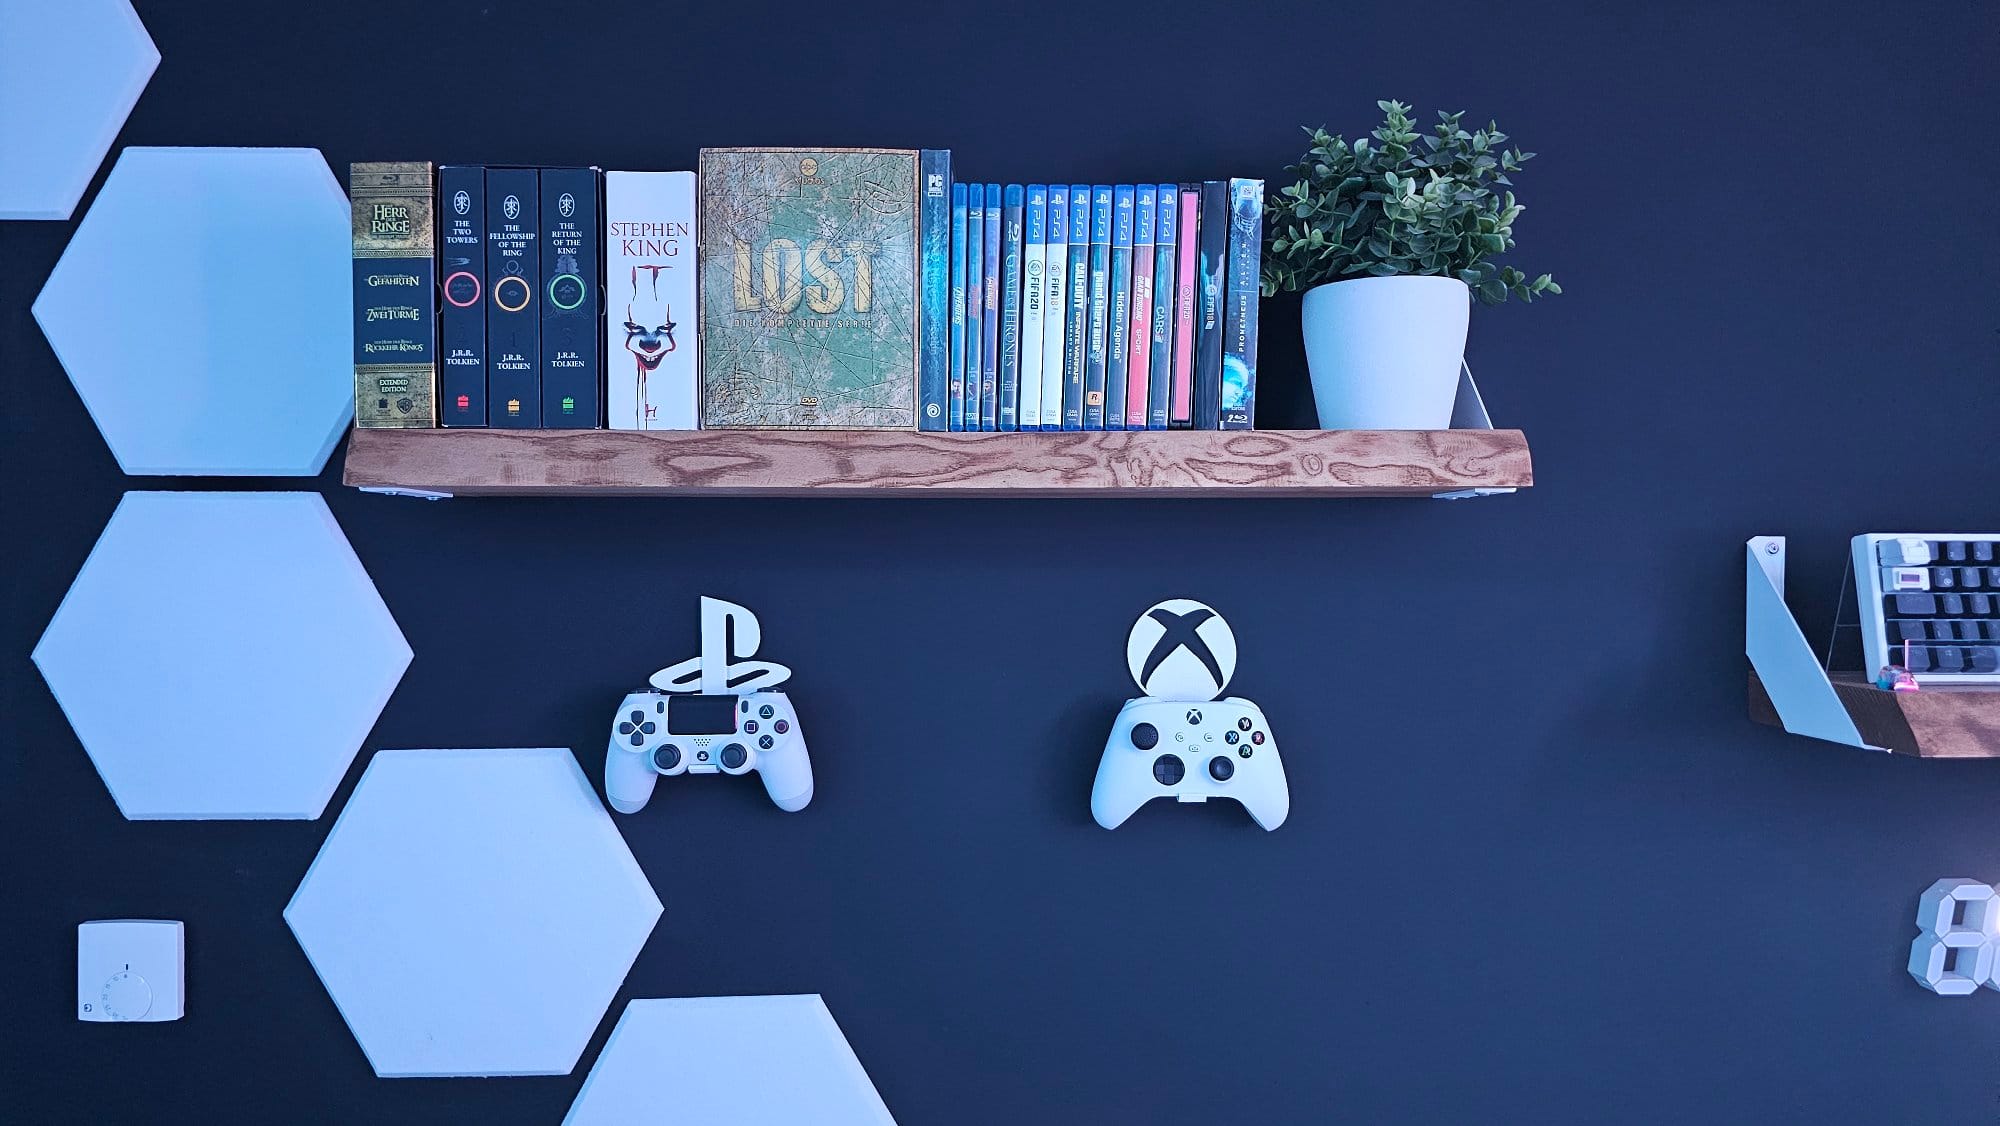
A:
<point x="129" y="969"/>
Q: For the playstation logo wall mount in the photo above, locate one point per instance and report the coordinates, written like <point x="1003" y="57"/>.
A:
<point x="1182" y="738"/>
<point x="715" y="713"/>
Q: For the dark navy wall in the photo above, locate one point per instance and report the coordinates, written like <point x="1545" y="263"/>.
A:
<point x="1540" y="867"/>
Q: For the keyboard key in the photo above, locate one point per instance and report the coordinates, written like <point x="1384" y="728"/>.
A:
<point x="1914" y="605"/>
<point x="1907" y="631"/>
<point x="1947" y="658"/>
<point x="1979" y="605"/>
<point x="1920" y="659"/>
<point x="1982" y="551"/>
<point x="1943" y="578"/>
<point x="1993" y="577"/>
<point x="1992" y="628"/>
<point x="1969" y="578"/>
<point x="1954" y="551"/>
<point x="1982" y="659"/>
<point x="1951" y="603"/>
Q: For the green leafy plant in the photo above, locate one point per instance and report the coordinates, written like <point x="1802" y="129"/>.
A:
<point x="1403" y="203"/>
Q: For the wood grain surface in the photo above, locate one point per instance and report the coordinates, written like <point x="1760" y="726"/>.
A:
<point x="1935" y="722"/>
<point x="904" y="463"/>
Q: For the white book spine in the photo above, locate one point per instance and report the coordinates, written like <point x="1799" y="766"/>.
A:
<point x="652" y="359"/>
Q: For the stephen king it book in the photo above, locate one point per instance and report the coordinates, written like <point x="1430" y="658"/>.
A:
<point x="651" y="371"/>
<point x="809" y="288"/>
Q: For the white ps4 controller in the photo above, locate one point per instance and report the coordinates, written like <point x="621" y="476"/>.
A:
<point x="669" y="734"/>
<point x="1179" y="741"/>
<point x="712" y="714"/>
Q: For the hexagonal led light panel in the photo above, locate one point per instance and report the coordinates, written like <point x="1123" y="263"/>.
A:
<point x="473" y="912"/>
<point x="203" y="310"/>
<point x="69" y="74"/>
<point x="222" y="655"/>
<point x="728" y="1061"/>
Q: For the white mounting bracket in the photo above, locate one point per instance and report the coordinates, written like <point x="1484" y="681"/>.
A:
<point x="1468" y="412"/>
<point x="1792" y="677"/>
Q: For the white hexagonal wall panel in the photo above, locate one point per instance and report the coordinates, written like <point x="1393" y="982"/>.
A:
<point x="473" y="912"/>
<point x="70" y="71"/>
<point x="203" y="311"/>
<point x="728" y="1061"/>
<point x="222" y="655"/>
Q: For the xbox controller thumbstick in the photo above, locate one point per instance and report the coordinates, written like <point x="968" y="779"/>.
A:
<point x="733" y="755"/>
<point x="1221" y="769"/>
<point x="1145" y="736"/>
<point x="667" y="756"/>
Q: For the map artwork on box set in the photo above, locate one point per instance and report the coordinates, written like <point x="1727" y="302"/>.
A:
<point x="809" y="291"/>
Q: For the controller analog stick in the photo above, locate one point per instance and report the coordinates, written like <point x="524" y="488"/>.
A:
<point x="733" y="755"/>
<point x="667" y="756"/>
<point x="1145" y="736"/>
<point x="1221" y="769"/>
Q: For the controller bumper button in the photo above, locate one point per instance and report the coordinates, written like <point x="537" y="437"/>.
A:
<point x="1168" y="770"/>
<point x="1221" y="769"/>
<point x="733" y="755"/>
<point x="1145" y="736"/>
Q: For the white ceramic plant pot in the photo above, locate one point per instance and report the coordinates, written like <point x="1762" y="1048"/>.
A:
<point x="1384" y="352"/>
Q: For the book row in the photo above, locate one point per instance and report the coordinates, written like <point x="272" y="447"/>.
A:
<point x="799" y="288"/>
<point x="1102" y="307"/>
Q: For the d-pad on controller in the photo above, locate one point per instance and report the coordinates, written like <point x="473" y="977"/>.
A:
<point x="1168" y="770"/>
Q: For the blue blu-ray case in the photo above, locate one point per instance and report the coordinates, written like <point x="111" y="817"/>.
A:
<point x="955" y="407"/>
<point x="1096" y="359"/>
<point x="1076" y="330"/>
<point x="975" y="299"/>
<point x="1118" y="307"/>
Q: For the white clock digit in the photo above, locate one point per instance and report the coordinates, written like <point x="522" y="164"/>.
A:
<point x="1955" y="954"/>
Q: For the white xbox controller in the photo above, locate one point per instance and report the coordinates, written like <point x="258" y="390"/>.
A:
<point x="1179" y="740"/>
<point x="675" y="733"/>
<point x="1191" y="751"/>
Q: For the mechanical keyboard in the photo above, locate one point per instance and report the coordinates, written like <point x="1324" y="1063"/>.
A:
<point x="1930" y="602"/>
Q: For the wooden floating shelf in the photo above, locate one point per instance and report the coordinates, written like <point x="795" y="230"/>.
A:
<point x="1935" y="722"/>
<point x="877" y="463"/>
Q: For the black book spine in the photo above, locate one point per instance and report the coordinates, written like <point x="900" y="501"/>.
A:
<point x="572" y="299"/>
<point x="513" y="308"/>
<point x="461" y="242"/>
<point x="1214" y="236"/>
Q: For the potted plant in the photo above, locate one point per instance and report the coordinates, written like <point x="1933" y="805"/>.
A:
<point x="1390" y="238"/>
